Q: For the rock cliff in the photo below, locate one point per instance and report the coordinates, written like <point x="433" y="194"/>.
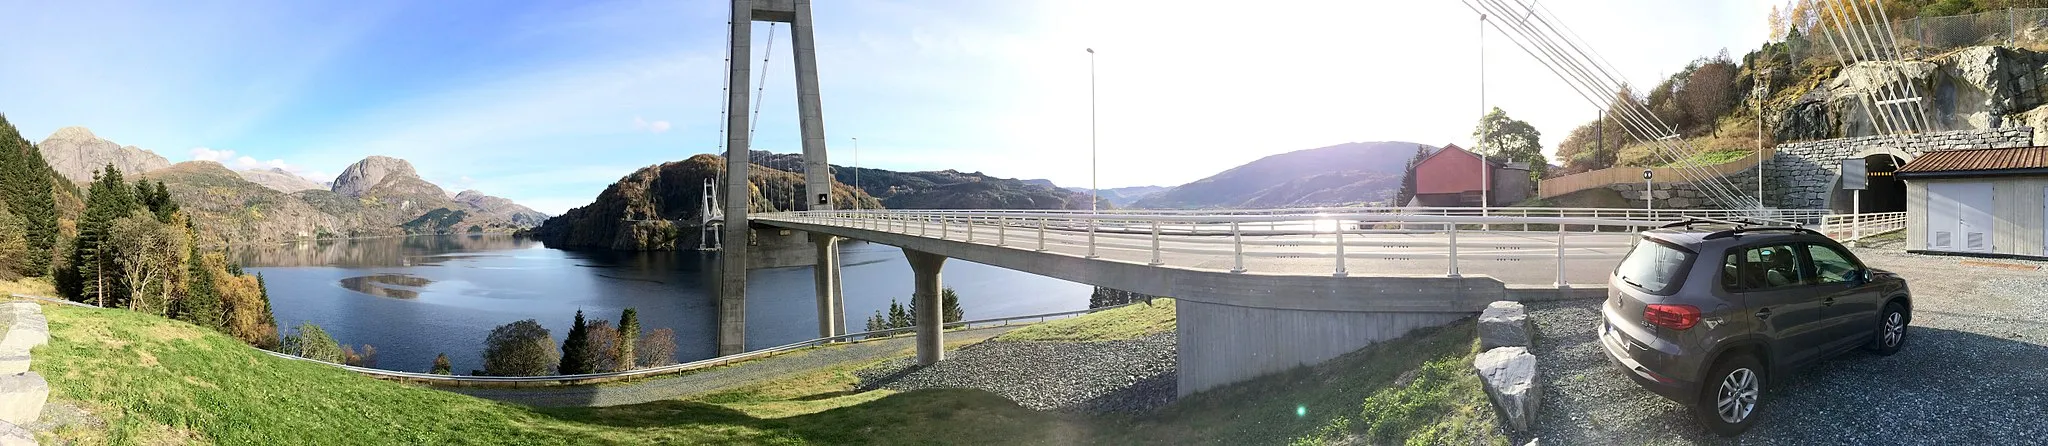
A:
<point x="75" y="153"/>
<point x="1972" y="88"/>
<point x="657" y="208"/>
<point x="279" y="180"/>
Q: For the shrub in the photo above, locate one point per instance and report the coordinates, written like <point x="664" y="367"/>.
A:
<point x="312" y="342"/>
<point x="657" y="348"/>
<point x="521" y="348"/>
<point x="441" y="365"/>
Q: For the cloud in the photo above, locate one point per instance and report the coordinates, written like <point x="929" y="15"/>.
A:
<point x="652" y="127"/>
<point x="231" y="160"/>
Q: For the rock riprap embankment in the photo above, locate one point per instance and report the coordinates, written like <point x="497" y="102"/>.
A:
<point x="22" y="392"/>
<point x="1133" y="375"/>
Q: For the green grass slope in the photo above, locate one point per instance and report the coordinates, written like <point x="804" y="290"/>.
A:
<point x="140" y="379"/>
<point x="1135" y="321"/>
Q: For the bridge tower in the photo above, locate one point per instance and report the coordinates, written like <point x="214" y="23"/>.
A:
<point x="712" y="217"/>
<point x="732" y="295"/>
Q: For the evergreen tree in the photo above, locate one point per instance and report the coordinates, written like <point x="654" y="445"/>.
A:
<point x="899" y="316"/>
<point x="110" y="199"/>
<point x="201" y="304"/>
<point x="576" y="358"/>
<point x="950" y="305"/>
<point x="441" y="365"/>
<point x="876" y="323"/>
<point x="1407" y="192"/>
<point x="26" y="186"/>
<point x="629" y="333"/>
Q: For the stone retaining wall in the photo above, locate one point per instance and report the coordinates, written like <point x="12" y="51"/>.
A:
<point x="1803" y="175"/>
<point x="22" y="392"/>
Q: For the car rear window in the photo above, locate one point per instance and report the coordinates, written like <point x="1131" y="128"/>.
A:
<point x="1654" y="266"/>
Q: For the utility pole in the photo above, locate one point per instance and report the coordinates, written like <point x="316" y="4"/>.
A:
<point x="1485" y="167"/>
<point x="1094" y="180"/>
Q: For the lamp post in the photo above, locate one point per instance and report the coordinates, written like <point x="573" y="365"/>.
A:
<point x="1649" y="197"/>
<point x="856" y="164"/>
<point x="1094" y="183"/>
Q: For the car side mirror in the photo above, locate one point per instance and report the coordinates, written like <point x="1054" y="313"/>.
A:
<point x="1862" y="276"/>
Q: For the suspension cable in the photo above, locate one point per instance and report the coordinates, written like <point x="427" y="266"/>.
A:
<point x="762" y="86"/>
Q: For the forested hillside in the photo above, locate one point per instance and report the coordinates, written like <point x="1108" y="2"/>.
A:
<point x="131" y="246"/>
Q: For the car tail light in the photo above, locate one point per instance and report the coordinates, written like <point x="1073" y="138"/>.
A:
<point x="1675" y="317"/>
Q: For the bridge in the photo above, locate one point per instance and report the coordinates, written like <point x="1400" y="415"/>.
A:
<point x="1263" y="291"/>
<point x="1260" y="291"/>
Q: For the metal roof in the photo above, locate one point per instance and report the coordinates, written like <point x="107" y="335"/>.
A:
<point x="1978" y="162"/>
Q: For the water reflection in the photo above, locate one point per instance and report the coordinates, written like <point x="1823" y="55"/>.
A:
<point x="401" y="286"/>
<point x="391" y="251"/>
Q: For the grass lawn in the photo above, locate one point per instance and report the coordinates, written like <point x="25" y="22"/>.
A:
<point x="33" y="286"/>
<point x="148" y="380"/>
<point x="1419" y="389"/>
<point x="1130" y="322"/>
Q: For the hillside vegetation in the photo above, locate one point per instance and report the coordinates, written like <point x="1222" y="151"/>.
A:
<point x="1350" y="173"/>
<point x="940" y="189"/>
<point x="657" y="208"/>
<point x="149" y="380"/>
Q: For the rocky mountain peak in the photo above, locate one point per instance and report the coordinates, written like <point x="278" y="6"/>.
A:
<point x="75" y="153"/>
<point x="74" y="133"/>
<point x="369" y="172"/>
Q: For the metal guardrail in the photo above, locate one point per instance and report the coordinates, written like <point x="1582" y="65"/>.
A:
<point x="1854" y="227"/>
<point x="1267" y="232"/>
<point x="594" y="378"/>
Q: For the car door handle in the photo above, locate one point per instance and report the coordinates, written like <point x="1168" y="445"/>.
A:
<point x="1763" y="314"/>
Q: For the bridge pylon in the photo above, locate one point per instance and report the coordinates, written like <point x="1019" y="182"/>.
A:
<point x="732" y="290"/>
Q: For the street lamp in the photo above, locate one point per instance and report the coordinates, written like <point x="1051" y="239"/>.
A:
<point x="1648" y="196"/>
<point x="1094" y="183"/>
<point x="856" y="164"/>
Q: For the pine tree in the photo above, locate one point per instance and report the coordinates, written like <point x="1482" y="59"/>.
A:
<point x="1407" y="192"/>
<point x="201" y="305"/>
<point x="576" y="349"/>
<point x="900" y="316"/>
<point x="26" y="185"/>
<point x="629" y="333"/>
<point x="110" y="199"/>
<point x="949" y="303"/>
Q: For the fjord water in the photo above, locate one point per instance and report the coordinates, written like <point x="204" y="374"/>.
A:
<point x="414" y="297"/>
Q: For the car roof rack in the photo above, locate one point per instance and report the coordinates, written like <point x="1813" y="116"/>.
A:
<point x="1742" y="225"/>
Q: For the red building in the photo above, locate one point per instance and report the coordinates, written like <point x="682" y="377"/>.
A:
<point x="1452" y="177"/>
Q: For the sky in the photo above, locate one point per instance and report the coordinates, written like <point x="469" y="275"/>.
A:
<point x="546" y="103"/>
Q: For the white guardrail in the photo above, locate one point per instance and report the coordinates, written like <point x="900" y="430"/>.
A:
<point x="1207" y="234"/>
<point x="1853" y="227"/>
<point x="593" y="378"/>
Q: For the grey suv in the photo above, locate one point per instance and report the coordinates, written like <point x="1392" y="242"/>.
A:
<point x="1706" y="313"/>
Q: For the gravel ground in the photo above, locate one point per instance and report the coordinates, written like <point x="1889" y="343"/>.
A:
<point x="712" y="380"/>
<point x="1135" y="375"/>
<point x="1974" y="371"/>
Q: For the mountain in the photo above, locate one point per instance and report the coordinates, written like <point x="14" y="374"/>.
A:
<point x="1342" y="174"/>
<point x="76" y="153"/>
<point x="501" y="208"/>
<point x="376" y="196"/>
<point x="1124" y="196"/>
<point x="228" y="209"/>
<point x="657" y="208"/>
<point x="279" y="180"/>
<point x="944" y="189"/>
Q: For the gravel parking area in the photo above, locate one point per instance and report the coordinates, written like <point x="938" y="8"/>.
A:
<point x="1974" y="371"/>
<point x="1133" y="375"/>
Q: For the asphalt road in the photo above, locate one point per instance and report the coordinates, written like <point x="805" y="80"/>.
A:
<point x="1974" y="370"/>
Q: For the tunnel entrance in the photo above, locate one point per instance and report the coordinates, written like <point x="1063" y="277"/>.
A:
<point x="1884" y="193"/>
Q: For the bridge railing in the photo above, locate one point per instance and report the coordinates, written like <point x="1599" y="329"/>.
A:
<point x="1195" y="239"/>
<point x="1854" y="227"/>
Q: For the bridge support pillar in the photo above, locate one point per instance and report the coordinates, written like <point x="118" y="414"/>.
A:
<point x="831" y="297"/>
<point x="931" y="344"/>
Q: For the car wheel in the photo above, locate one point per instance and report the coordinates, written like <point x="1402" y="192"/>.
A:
<point x="1891" y="329"/>
<point x="1730" y="397"/>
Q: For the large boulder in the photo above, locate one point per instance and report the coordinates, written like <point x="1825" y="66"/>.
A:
<point x="1509" y="375"/>
<point x="22" y="397"/>
<point x="1505" y="324"/>
<point x="12" y="435"/>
